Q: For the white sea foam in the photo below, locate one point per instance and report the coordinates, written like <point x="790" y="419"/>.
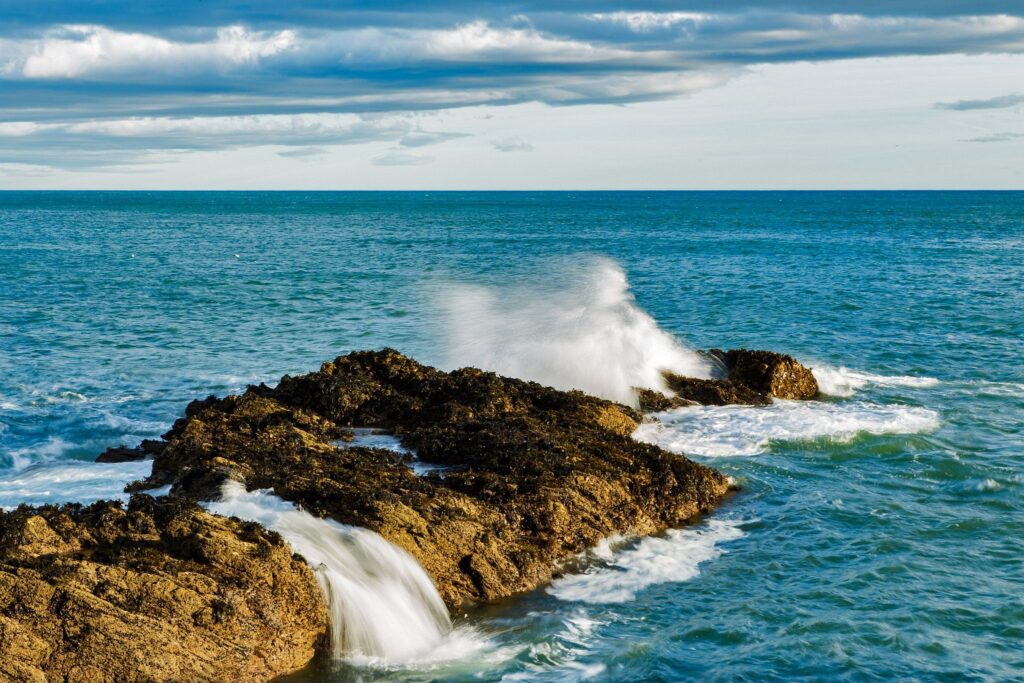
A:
<point x="383" y="605"/>
<point x="376" y="438"/>
<point x="70" y="481"/>
<point x="585" y="333"/>
<point x="675" y="556"/>
<point x="747" y="430"/>
<point x="844" y="382"/>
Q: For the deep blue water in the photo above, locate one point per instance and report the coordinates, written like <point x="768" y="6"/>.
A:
<point x="879" y="533"/>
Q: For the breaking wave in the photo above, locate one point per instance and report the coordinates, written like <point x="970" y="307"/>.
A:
<point x="617" y="577"/>
<point x="383" y="606"/>
<point x="843" y="382"/>
<point x="583" y="333"/>
<point x="746" y="430"/>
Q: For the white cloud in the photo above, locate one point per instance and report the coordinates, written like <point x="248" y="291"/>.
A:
<point x="71" y="51"/>
<point x="649" y="21"/>
<point x="512" y="144"/>
<point x="397" y="158"/>
<point x="18" y="128"/>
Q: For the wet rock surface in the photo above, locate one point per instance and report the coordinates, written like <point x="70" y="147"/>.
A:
<point x="537" y="474"/>
<point x="750" y="378"/>
<point x="157" y="591"/>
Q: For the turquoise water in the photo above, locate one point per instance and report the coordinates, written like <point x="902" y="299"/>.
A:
<point x="878" y="533"/>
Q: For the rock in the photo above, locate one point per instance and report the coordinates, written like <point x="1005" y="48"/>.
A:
<point x="715" y="392"/>
<point x="160" y="591"/>
<point x="751" y="378"/>
<point x="147" y="449"/>
<point x="771" y="373"/>
<point x="537" y="475"/>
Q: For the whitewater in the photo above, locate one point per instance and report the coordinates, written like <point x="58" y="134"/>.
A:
<point x="874" y="531"/>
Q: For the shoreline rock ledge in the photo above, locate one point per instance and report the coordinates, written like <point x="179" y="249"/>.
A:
<point x="524" y="475"/>
<point x="510" y="479"/>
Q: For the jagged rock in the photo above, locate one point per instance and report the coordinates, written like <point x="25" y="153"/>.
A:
<point x="715" y="392"/>
<point x="160" y="591"/>
<point x="537" y="475"/>
<point x="751" y="378"/>
<point x="147" y="449"/>
<point x="771" y="373"/>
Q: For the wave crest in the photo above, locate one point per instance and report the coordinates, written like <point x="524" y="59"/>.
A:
<point x="586" y="333"/>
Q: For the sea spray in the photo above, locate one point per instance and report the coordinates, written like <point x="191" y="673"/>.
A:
<point x="382" y="603"/>
<point x="585" y="332"/>
<point x="746" y="430"/>
<point x="617" y="577"/>
<point x="843" y="382"/>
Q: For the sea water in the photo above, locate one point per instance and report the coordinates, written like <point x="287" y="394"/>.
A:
<point x="878" y="531"/>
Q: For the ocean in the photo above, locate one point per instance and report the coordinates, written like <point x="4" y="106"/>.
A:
<point x="878" y="533"/>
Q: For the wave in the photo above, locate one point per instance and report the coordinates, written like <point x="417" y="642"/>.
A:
<point x="746" y="430"/>
<point x="843" y="382"/>
<point x="70" y="481"/>
<point x="675" y="556"/>
<point x="382" y="604"/>
<point x="585" y="332"/>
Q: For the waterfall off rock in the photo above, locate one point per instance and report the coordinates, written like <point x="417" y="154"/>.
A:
<point x="382" y="604"/>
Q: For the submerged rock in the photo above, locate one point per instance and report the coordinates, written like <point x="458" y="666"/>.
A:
<point x="160" y="591"/>
<point x="535" y="475"/>
<point x="751" y="378"/>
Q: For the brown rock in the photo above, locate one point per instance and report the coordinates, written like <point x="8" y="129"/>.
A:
<point x="751" y="378"/>
<point x="537" y="475"/>
<point x="771" y="373"/>
<point x="715" y="392"/>
<point x="160" y="591"/>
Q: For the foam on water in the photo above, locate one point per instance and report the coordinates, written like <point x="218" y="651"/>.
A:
<point x="844" y="382"/>
<point x="747" y="430"/>
<point x="587" y="333"/>
<point x="375" y="438"/>
<point x="383" y="606"/>
<point x="70" y="481"/>
<point x="675" y="556"/>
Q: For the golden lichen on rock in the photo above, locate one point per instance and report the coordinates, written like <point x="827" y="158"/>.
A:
<point x="534" y="475"/>
<point x="160" y="591"/>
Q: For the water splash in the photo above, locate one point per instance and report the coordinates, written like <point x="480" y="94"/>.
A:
<point x="585" y="332"/>
<point x="675" y="556"/>
<point x="844" y="382"/>
<point x="382" y="603"/>
<point x="746" y="430"/>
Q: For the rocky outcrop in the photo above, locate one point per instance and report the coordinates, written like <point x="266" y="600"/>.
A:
<point x="159" y="591"/>
<point x="147" y="449"/>
<point x="770" y="373"/>
<point x="534" y="475"/>
<point x="750" y="378"/>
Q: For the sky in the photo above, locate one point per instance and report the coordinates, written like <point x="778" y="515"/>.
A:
<point x="561" y="94"/>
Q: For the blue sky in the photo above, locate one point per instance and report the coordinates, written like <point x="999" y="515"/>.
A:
<point x="561" y="95"/>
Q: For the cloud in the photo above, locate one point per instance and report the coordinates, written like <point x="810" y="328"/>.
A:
<point x="72" y="51"/>
<point x="1001" y="102"/>
<point x="512" y="144"/>
<point x="397" y="158"/>
<point x="130" y="77"/>
<point x="997" y="137"/>
<point x="422" y="138"/>
<point x="303" y="153"/>
<point x="114" y="142"/>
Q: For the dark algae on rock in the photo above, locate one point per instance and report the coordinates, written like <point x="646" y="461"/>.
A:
<point x="157" y="591"/>
<point x="530" y="476"/>
<point x="535" y="475"/>
<point x="746" y="378"/>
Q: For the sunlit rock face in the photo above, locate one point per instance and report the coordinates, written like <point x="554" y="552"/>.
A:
<point x="532" y="475"/>
<point x="157" y="591"/>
